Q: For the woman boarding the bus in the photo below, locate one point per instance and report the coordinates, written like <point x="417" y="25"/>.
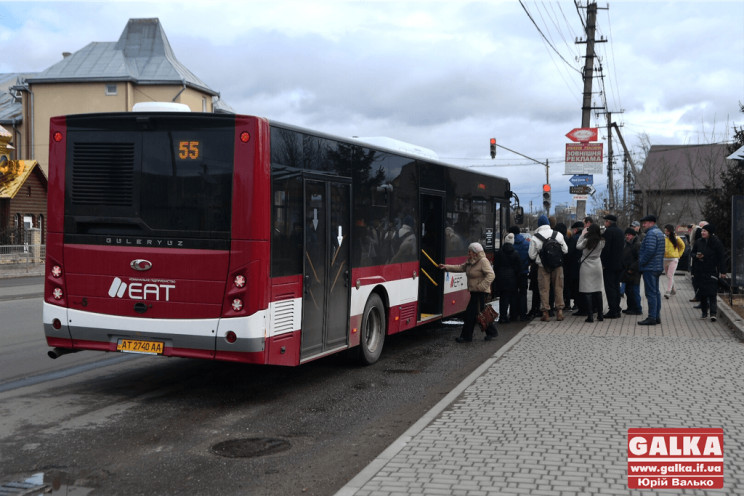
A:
<point x="480" y="275"/>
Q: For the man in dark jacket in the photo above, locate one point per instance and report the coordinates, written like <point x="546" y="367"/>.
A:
<point x="651" y="265"/>
<point x="612" y="268"/>
<point x="522" y="246"/>
<point x="631" y="276"/>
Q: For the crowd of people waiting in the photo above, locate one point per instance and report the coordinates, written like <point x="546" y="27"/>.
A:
<point x="568" y="269"/>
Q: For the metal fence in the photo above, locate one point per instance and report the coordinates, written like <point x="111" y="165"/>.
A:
<point x="20" y="258"/>
<point x="737" y="241"/>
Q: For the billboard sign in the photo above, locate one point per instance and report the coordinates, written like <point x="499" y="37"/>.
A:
<point x="584" y="158"/>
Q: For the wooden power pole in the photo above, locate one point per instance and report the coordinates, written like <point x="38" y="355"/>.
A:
<point x="588" y="76"/>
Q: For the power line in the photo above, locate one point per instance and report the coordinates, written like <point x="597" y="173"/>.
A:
<point x="545" y="38"/>
<point x="578" y="11"/>
<point x="614" y="68"/>
<point x="557" y="26"/>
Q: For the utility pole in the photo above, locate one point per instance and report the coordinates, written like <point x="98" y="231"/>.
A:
<point x="610" y="184"/>
<point x="626" y="182"/>
<point x="643" y="187"/>
<point x="612" y="194"/>
<point x="588" y="76"/>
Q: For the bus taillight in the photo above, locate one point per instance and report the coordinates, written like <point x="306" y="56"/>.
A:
<point x="237" y="304"/>
<point x="231" y="337"/>
<point x="57" y="136"/>
<point x="245" y="136"/>
<point x="239" y="281"/>
<point x="55" y="282"/>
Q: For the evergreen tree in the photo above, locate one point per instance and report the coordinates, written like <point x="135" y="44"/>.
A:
<point x="717" y="208"/>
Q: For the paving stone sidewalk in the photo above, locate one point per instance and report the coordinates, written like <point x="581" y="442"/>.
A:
<point x="549" y="414"/>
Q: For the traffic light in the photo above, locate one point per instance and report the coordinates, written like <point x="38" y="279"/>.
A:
<point x="493" y="147"/>
<point x="546" y="196"/>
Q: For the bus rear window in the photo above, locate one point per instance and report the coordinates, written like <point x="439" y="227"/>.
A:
<point x="138" y="180"/>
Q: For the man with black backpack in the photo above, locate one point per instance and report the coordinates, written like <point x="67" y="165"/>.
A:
<point x="547" y="248"/>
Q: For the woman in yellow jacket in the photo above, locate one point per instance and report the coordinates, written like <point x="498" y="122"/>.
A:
<point x="674" y="247"/>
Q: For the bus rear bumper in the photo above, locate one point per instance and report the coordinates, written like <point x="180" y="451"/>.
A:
<point x="191" y="338"/>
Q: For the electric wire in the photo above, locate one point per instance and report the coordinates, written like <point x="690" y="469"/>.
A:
<point x="545" y="38"/>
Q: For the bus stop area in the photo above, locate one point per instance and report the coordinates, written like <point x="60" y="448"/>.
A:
<point x="549" y="413"/>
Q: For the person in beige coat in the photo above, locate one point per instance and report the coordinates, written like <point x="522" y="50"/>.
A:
<point x="480" y="275"/>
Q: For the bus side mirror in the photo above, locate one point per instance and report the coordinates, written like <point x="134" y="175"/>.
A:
<point x="518" y="215"/>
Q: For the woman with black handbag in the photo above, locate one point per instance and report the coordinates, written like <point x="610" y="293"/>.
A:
<point x="479" y="274"/>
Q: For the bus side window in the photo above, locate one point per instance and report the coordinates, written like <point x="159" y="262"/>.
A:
<point x="286" y="232"/>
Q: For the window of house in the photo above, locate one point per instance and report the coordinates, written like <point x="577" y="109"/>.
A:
<point x="111" y="89"/>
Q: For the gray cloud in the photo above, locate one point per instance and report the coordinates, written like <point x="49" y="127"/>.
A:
<point x="445" y="75"/>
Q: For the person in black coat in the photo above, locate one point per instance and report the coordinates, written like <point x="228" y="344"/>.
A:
<point x="612" y="267"/>
<point x="507" y="266"/>
<point x="694" y="262"/>
<point x="522" y="246"/>
<point x="571" y="269"/>
<point x="710" y="255"/>
<point x="631" y="276"/>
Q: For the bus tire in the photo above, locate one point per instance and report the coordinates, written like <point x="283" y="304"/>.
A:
<point x="373" y="330"/>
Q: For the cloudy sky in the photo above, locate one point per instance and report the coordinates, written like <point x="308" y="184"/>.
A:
<point x="443" y="75"/>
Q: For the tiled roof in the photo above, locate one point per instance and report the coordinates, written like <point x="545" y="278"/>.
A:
<point x="683" y="167"/>
<point x="142" y="54"/>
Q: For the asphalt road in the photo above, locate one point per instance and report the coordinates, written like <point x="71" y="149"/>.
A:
<point x="120" y="424"/>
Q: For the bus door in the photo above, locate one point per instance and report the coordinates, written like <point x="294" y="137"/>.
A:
<point x="325" y="301"/>
<point x="431" y="279"/>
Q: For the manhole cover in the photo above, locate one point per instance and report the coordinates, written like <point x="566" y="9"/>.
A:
<point x="402" y="371"/>
<point x="250" y="447"/>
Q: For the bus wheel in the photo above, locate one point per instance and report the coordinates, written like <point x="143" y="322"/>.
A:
<point x="373" y="330"/>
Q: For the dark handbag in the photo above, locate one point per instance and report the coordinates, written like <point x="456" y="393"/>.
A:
<point x="487" y="316"/>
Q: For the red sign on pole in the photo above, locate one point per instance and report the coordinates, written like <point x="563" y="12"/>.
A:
<point x="583" y="134"/>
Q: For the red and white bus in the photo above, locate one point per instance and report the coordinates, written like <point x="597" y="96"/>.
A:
<point x="232" y="237"/>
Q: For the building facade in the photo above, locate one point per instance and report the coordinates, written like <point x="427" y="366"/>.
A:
<point x="100" y="77"/>
<point x="673" y="182"/>
<point x="104" y="77"/>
